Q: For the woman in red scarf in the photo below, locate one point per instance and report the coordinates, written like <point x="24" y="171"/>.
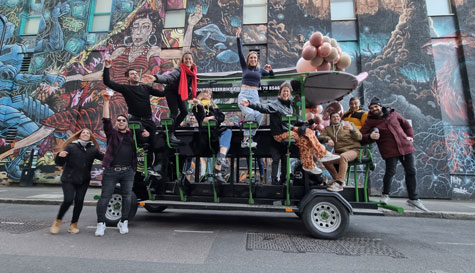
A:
<point x="181" y="86"/>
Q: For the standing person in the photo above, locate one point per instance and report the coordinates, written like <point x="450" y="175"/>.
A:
<point x="136" y="95"/>
<point x="345" y="138"/>
<point x="355" y="114"/>
<point x="120" y="164"/>
<point x="394" y="136"/>
<point x="307" y="142"/>
<point x="79" y="152"/>
<point x="205" y="109"/>
<point x="181" y="86"/>
<point x="251" y="79"/>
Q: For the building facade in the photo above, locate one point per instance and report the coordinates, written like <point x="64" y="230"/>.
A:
<point x="420" y="56"/>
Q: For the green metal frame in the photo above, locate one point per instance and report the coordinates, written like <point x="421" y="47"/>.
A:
<point x="250" y="125"/>
<point x="134" y="128"/>
<point x="288" y="119"/>
<point x="166" y="123"/>
<point x="212" y="123"/>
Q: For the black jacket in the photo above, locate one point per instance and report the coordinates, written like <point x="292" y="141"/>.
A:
<point x="78" y="163"/>
<point x="172" y="80"/>
<point x="201" y="112"/>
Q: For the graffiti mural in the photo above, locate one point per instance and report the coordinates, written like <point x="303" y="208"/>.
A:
<point x="423" y="67"/>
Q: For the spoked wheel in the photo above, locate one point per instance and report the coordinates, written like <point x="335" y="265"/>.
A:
<point x="154" y="208"/>
<point x="114" y="208"/>
<point x="326" y="218"/>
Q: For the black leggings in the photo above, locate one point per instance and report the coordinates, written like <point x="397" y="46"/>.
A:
<point x="174" y="103"/>
<point x="73" y="192"/>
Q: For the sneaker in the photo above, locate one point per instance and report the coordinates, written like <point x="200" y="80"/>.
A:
<point x="417" y="204"/>
<point x="246" y="143"/>
<point x="222" y="161"/>
<point x="329" y="157"/>
<point x="315" y="170"/>
<point x="101" y="228"/>
<point x="384" y="199"/>
<point x="174" y="139"/>
<point x="123" y="227"/>
<point x="335" y="187"/>
<point x="219" y="177"/>
<point x="154" y="173"/>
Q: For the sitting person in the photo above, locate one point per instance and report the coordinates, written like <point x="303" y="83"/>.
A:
<point x="307" y="142"/>
<point x="345" y="138"/>
<point x="205" y="109"/>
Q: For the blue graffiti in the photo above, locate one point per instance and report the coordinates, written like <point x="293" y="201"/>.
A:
<point x="373" y="43"/>
<point x="419" y="73"/>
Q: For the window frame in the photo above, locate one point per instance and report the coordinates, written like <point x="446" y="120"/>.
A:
<point x="92" y="14"/>
<point x="344" y="19"/>
<point x="450" y="13"/>
<point x="266" y="5"/>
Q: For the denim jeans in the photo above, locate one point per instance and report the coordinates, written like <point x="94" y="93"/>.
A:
<point x="408" y="162"/>
<point x="252" y="96"/>
<point x="225" y="138"/>
<point x="110" y="178"/>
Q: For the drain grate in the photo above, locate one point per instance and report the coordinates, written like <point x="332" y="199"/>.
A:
<point x="19" y="226"/>
<point x="297" y="243"/>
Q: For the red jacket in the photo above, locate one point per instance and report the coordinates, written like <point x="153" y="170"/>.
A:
<point x="393" y="130"/>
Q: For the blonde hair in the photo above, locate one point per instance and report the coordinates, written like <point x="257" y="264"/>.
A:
<point x="200" y="97"/>
<point x="249" y="55"/>
<point x="76" y="135"/>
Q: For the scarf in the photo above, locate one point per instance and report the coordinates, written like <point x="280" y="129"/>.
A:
<point x="183" y="86"/>
<point x="83" y="143"/>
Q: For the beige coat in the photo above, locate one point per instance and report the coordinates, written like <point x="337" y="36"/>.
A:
<point x="344" y="139"/>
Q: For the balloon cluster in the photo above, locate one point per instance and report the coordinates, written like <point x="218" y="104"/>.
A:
<point x="320" y="53"/>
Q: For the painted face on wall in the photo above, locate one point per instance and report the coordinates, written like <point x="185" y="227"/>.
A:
<point x="141" y="30"/>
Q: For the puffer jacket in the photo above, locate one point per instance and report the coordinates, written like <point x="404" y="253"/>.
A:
<point x="393" y="130"/>
<point x="78" y="163"/>
<point x="358" y="117"/>
<point x="277" y="109"/>
<point x="344" y="139"/>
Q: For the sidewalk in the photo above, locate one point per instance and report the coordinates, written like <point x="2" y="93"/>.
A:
<point x="53" y="195"/>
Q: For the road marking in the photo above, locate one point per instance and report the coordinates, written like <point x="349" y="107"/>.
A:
<point x="12" y="223"/>
<point x="458" y="244"/>
<point x="46" y="196"/>
<point x="193" y="231"/>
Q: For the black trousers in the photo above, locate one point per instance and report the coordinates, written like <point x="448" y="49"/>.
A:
<point x="408" y="162"/>
<point x="72" y="193"/>
<point x="149" y="125"/>
<point x="174" y="103"/>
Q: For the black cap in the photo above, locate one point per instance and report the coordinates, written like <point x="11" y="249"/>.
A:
<point x="375" y="100"/>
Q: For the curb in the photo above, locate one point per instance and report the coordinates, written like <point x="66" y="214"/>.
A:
<point x="433" y="214"/>
<point x="39" y="202"/>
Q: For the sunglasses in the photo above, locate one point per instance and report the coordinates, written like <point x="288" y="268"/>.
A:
<point x="121" y="120"/>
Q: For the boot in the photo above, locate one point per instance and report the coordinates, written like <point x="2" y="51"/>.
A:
<point x="55" y="227"/>
<point x="73" y="228"/>
<point x="174" y="139"/>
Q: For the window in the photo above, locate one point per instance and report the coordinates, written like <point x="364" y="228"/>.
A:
<point x="254" y="12"/>
<point x="438" y="7"/>
<point x="31" y="19"/>
<point x="100" y="16"/>
<point x="342" y="10"/>
<point x="175" y="19"/>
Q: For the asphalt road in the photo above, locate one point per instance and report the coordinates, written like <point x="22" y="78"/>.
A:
<point x="216" y="241"/>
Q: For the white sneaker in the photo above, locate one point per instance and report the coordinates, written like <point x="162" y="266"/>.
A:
<point x="329" y="157"/>
<point x="123" y="227"/>
<point x="315" y="170"/>
<point x="246" y="143"/>
<point x="101" y="228"/>
<point x="384" y="199"/>
<point x="417" y="204"/>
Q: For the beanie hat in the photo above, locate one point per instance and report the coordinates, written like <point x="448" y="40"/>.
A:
<point x="375" y="100"/>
